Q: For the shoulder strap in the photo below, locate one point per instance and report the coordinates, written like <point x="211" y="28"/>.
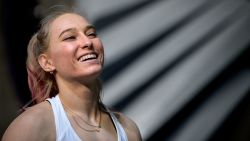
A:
<point x="64" y="130"/>
<point x="122" y="136"/>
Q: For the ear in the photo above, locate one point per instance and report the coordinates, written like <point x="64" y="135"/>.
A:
<point x="46" y="63"/>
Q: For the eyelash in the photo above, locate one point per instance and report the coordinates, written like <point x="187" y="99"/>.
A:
<point x="70" y="38"/>
<point x="92" y="34"/>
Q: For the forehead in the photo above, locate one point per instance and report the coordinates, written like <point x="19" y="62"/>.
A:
<point x="66" y="21"/>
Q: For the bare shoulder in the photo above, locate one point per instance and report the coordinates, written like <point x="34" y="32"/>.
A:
<point x="31" y="123"/>
<point x="130" y="127"/>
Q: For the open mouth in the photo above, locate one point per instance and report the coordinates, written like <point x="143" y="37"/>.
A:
<point x="88" y="57"/>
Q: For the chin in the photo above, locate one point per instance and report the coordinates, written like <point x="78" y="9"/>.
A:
<point x="94" y="71"/>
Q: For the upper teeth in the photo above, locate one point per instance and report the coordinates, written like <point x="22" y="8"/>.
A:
<point x="88" y="56"/>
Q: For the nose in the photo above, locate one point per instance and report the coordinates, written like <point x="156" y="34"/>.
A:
<point x="85" y="42"/>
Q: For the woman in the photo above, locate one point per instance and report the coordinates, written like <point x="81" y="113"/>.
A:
<point x="65" y="58"/>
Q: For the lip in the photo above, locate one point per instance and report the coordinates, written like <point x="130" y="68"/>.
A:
<point x="78" y="58"/>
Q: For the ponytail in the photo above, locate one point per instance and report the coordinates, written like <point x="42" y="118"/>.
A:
<point x="41" y="84"/>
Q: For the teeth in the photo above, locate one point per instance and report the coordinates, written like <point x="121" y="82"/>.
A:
<point x="88" y="56"/>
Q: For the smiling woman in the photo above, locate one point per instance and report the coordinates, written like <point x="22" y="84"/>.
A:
<point x="65" y="59"/>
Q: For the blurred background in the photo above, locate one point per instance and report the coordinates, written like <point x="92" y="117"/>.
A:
<point x="178" y="68"/>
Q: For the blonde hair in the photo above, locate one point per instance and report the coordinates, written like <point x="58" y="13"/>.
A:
<point x="41" y="83"/>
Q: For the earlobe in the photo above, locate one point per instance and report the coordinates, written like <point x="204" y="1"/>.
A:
<point x="46" y="63"/>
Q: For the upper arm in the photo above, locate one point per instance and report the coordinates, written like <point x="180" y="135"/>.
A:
<point x="27" y="126"/>
<point x="130" y="127"/>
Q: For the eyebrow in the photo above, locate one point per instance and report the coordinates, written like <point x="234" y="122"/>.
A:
<point x="89" y="27"/>
<point x="72" y="29"/>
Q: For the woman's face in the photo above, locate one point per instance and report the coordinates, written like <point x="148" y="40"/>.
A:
<point x="74" y="48"/>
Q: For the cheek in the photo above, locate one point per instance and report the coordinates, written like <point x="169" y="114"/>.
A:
<point x="100" y="49"/>
<point x="61" y="56"/>
<point x="99" y="46"/>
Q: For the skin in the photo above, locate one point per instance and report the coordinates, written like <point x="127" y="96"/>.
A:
<point x="68" y="42"/>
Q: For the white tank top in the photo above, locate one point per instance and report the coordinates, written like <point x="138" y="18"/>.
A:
<point x="64" y="130"/>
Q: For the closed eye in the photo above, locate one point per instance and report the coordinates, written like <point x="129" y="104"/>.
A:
<point x="69" y="38"/>
<point x="92" y="35"/>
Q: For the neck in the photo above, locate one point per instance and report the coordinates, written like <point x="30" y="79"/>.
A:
<point x="80" y="98"/>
